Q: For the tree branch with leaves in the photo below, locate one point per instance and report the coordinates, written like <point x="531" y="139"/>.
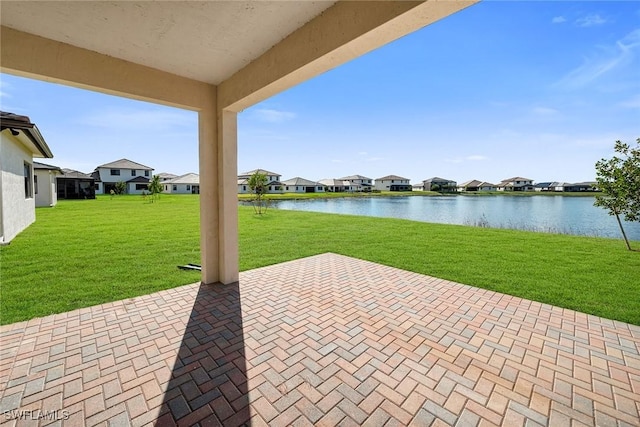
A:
<point x="258" y="184"/>
<point x="619" y="180"/>
<point x="155" y="188"/>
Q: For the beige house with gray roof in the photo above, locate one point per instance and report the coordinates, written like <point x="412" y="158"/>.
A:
<point x="393" y="183"/>
<point x="301" y="185"/>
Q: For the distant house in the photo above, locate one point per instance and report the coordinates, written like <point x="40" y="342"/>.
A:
<point x="476" y="185"/>
<point x="73" y="184"/>
<point x="273" y="181"/>
<point x="20" y="142"/>
<point x="517" y="183"/>
<point x="439" y="184"/>
<point x="559" y="186"/>
<point x="544" y="186"/>
<point x="164" y="176"/>
<point x="44" y="184"/>
<point x="184" y="184"/>
<point x="339" y="186"/>
<point x="393" y="183"/>
<point x="571" y="187"/>
<point x="134" y="175"/>
<point x="363" y="183"/>
<point x="301" y="185"/>
<point x="583" y="186"/>
<point x="417" y="187"/>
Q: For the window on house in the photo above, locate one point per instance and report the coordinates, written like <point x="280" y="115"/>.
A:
<point x="133" y="172"/>
<point x="35" y="182"/>
<point x="141" y="187"/>
<point x="175" y="188"/>
<point x="28" y="181"/>
<point x="188" y="188"/>
<point x="244" y="188"/>
<point x="115" y="171"/>
<point x="146" y="173"/>
<point x="166" y="188"/>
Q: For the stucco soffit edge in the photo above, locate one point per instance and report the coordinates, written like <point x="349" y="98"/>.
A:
<point x="36" y="57"/>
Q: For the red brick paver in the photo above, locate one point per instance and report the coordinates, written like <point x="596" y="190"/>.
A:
<point x="325" y="340"/>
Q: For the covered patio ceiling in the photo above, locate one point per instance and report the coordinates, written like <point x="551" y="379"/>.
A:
<point x="213" y="57"/>
<point x="204" y="41"/>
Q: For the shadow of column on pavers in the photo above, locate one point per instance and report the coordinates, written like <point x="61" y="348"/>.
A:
<point x="208" y="384"/>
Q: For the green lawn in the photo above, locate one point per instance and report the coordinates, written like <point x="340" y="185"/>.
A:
<point x="83" y="253"/>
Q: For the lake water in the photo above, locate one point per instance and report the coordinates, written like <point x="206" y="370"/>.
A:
<point x="551" y="214"/>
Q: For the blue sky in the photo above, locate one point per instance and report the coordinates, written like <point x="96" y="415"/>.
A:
<point x="500" y="89"/>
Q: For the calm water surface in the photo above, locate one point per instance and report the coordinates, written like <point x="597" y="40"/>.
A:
<point x="551" y="214"/>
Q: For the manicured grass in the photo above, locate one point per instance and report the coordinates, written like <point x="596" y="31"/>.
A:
<point x="82" y="253"/>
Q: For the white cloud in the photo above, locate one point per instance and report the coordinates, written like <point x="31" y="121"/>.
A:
<point x="3" y="89"/>
<point x="608" y="58"/>
<point x="476" y="157"/>
<point x="633" y="102"/>
<point x="590" y="20"/>
<point x="273" y="116"/>
<point x="139" y="119"/>
<point x="558" y="20"/>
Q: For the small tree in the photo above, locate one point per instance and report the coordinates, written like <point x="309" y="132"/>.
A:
<point x="258" y="185"/>
<point x="155" y="188"/>
<point x="619" y="180"/>
<point x="121" y="187"/>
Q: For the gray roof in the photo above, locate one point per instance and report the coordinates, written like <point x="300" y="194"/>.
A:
<point x="389" y="177"/>
<point x="38" y="165"/>
<point x="472" y="183"/>
<point x="301" y="181"/>
<point x="139" y="179"/>
<point x="353" y="177"/>
<point x="437" y="179"/>
<point x="74" y="174"/>
<point x="262" y="171"/>
<point x="335" y="182"/>
<point x="124" y="164"/>
<point x="187" y="178"/>
<point x="515" y="178"/>
<point x="166" y="175"/>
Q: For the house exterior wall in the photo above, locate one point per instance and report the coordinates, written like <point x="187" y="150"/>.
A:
<point x="17" y="211"/>
<point x="385" y="184"/>
<point x="295" y="189"/>
<point x="178" y="188"/>
<point x="131" y="188"/>
<point x="125" y="175"/>
<point x="45" y="191"/>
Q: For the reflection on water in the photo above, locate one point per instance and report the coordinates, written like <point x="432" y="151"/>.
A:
<point x="549" y="214"/>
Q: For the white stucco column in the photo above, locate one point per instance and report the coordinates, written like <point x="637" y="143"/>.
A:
<point x="218" y="195"/>
<point x="228" y="196"/>
<point x="208" y="150"/>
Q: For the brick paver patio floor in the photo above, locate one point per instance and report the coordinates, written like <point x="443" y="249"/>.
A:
<point x="325" y="340"/>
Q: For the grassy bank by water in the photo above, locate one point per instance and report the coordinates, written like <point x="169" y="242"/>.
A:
<point x="83" y="253"/>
